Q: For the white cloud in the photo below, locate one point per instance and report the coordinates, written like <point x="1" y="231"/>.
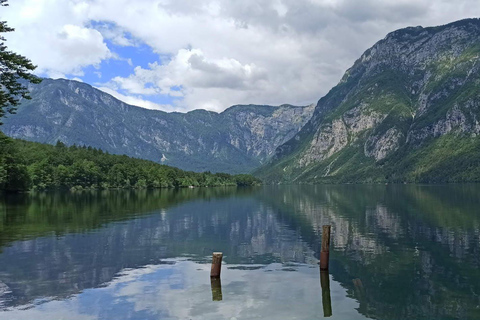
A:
<point x="220" y="52"/>
<point x="136" y="100"/>
<point x="115" y="34"/>
<point x="191" y="70"/>
<point x="52" y="35"/>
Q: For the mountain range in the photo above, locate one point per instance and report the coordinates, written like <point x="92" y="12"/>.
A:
<point x="235" y="141"/>
<point x="408" y="110"/>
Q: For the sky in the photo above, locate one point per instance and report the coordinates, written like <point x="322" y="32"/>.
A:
<point x="180" y="55"/>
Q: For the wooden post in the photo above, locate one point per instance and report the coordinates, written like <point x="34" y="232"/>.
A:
<point x="324" y="254"/>
<point x="216" y="284"/>
<point x="326" y="298"/>
<point x="216" y="265"/>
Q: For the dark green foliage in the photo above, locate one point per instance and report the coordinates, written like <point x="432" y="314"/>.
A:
<point x="451" y="158"/>
<point x="245" y="180"/>
<point x="25" y="165"/>
<point x="13" y="67"/>
<point x="13" y="172"/>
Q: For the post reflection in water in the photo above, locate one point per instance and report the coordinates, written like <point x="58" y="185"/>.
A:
<point x="326" y="298"/>
<point x="416" y="250"/>
<point x="359" y="291"/>
<point x="216" y="285"/>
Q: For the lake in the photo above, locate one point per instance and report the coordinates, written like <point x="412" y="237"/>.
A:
<point x="397" y="252"/>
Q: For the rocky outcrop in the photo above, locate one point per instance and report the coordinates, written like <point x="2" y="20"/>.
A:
<point x="333" y="137"/>
<point x="379" y="147"/>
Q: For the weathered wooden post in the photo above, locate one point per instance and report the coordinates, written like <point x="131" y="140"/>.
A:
<point x="216" y="284"/>
<point x="216" y="265"/>
<point x="325" y="252"/>
<point x="326" y="298"/>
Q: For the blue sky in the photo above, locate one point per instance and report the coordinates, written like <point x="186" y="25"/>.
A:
<point x="179" y="55"/>
<point x="128" y="57"/>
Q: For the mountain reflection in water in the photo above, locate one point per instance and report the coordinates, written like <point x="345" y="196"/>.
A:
<point x="397" y="252"/>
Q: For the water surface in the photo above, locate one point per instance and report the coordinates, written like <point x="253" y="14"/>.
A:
<point x="397" y="252"/>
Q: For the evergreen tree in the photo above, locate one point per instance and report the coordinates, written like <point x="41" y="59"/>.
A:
<point x="13" y="67"/>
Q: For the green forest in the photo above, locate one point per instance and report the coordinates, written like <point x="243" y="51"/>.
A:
<point x="28" y="166"/>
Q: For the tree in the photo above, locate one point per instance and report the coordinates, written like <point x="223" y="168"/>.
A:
<point x="13" y="173"/>
<point x="13" y="67"/>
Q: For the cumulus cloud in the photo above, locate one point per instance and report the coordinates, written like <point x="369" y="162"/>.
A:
<point x="52" y="35"/>
<point x="190" y="70"/>
<point x="117" y="35"/>
<point x="215" y="53"/>
<point x="135" y="100"/>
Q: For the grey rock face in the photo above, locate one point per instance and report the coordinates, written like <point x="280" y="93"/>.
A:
<point x="379" y="147"/>
<point x="329" y="139"/>
<point x="333" y="137"/>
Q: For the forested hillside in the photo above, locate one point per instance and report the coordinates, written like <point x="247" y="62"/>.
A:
<point x="28" y="165"/>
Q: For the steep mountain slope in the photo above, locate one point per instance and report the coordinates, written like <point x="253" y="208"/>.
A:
<point x="235" y="141"/>
<point x="408" y="110"/>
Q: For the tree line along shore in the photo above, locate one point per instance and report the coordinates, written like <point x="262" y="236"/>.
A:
<point x="28" y="166"/>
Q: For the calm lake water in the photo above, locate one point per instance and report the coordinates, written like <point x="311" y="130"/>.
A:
<point x="397" y="252"/>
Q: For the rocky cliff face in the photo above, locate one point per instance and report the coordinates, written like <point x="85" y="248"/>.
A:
<point x="236" y="140"/>
<point x="408" y="110"/>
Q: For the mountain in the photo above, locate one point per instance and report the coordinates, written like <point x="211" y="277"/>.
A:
<point x="235" y="141"/>
<point x="407" y="111"/>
